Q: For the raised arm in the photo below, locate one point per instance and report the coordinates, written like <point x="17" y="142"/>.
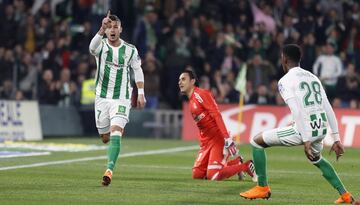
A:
<point x="96" y="42"/>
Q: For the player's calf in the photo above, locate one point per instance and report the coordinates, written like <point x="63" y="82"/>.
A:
<point x="219" y="172"/>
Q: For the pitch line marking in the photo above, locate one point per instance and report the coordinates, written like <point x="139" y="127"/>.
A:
<point x="131" y="154"/>
<point x="346" y="174"/>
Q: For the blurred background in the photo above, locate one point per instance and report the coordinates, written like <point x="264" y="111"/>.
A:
<point x="44" y="55"/>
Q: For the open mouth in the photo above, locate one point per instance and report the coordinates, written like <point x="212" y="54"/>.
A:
<point x="112" y="35"/>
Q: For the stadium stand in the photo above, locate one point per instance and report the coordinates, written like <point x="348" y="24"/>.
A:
<point x="44" y="46"/>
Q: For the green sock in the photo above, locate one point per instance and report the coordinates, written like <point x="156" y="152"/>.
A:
<point x="113" y="151"/>
<point x="259" y="157"/>
<point x="330" y="175"/>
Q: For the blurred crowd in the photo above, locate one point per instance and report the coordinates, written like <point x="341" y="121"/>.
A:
<point x="44" y="46"/>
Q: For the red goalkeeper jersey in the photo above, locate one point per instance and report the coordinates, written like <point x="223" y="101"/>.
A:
<point x="207" y="116"/>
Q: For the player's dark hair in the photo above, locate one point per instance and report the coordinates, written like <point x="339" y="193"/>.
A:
<point x="292" y="52"/>
<point x="192" y="75"/>
<point x="114" y="18"/>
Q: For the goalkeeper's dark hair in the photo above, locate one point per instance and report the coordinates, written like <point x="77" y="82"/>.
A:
<point x="114" y="18"/>
<point x="192" y="75"/>
<point x="292" y="52"/>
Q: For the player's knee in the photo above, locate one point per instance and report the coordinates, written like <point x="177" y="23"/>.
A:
<point x="213" y="174"/>
<point x="198" y="174"/>
<point x="116" y="130"/>
<point x="258" y="141"/>
<point x="315" y="160"/>
<point x="105" y="137"/>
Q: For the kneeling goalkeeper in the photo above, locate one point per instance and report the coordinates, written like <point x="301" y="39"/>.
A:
<point x="211" y="162"/>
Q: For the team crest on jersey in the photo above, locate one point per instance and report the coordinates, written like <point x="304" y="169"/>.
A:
<point x="198" y="98"/>
<point x="121" y="110"/>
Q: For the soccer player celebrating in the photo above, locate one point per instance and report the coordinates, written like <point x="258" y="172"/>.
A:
<point x="114" y="59"/>
<point x="211" y="163"/>
<point x="312" y="113"/>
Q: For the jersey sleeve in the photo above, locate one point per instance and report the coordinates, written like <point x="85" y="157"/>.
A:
<point x="135" y="64"/>
<point x="285" y="90"/>
<point x="211" y="106"/>
<point x="135" y="61"/>
<point x="96" y="45"/>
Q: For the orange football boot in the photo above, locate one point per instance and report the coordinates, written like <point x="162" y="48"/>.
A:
<point x="345" y="198"/>
<point x="257" y="192"/>
<point x="106" y="180"/>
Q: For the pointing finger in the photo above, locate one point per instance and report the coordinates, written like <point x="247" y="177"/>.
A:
<point x="108" y="14"/>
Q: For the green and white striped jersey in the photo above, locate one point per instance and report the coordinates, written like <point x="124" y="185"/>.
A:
<point x="113" y="69"/>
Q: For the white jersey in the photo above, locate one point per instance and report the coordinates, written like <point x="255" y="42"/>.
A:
<point x="113" y="69"/>
<point x="306" y="88"/>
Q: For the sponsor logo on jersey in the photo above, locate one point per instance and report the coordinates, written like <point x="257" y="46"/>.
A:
<point x="114" y="64"/>
<point x="198" y="98"/>
<point x="199" y="117"/>
<point x="316" y="124"/>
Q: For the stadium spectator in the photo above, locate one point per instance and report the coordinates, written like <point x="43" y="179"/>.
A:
<point x="309" y="50"/>
<point x="28" y="83"/>
<point x="230" y="62"/>
<point x="48" y="89"/>
<point x="67" y="89"/>
<point x="147" y="32"/>
<point x="275" y="49"/>
<point x="152" y="69"/>
<point x="7" y="90"/>
<point x="260" y="71"/>
<point x="328" y="67"/>
<point x="261" y="97"/>
<point x="348" y="86"/>
<point x="178" y="55"/>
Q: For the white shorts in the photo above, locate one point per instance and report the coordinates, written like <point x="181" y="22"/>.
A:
<point x="110" y="112"/>
<point x="289" y="136"/>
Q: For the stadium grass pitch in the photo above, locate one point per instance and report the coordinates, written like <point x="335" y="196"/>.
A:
<point x="140" y="178"/>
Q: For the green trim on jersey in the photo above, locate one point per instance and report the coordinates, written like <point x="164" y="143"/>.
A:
<point x="105" y="82"/>
<point x="128" y="73"/>
<point x="98" y="70"/>
<point x="127" y="82"/>
<point x="119" y="73"/>
<point x="121" y="55"/>
<point x="131" y="46"/>
<point x="132" y="53"/>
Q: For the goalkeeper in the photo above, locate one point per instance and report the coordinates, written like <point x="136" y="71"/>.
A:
<point x="211" y="162"/>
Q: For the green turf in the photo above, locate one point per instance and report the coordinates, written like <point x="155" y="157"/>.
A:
<point x="166" y="178"/>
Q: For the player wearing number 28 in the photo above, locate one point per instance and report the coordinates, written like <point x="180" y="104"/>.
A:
<point x="312" y="113"/>
<point x="114" y="59"/>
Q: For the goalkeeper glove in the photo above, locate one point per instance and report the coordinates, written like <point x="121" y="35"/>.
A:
<point x="230" y="146"/>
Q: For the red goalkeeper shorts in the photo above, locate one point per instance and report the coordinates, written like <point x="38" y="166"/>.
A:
<point x="210" y="156"/>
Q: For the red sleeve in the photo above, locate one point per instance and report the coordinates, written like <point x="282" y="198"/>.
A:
<point x="211" y="106"/>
